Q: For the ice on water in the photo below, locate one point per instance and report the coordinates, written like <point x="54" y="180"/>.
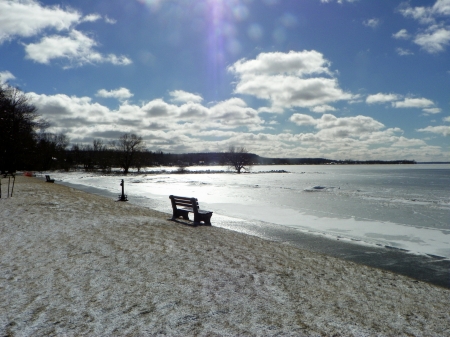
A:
<point x="402" y="206"/>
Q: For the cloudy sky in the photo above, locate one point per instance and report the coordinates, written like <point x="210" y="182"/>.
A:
<point x="341" y="79"/>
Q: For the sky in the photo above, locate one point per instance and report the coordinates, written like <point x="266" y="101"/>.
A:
<point x="338" y="79"/>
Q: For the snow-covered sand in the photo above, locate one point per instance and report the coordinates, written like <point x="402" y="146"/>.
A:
<point x="73" y="263"/>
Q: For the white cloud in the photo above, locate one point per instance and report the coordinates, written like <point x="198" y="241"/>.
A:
<point x="442" y="7"/>
<point x="76" y="48"/>
<point x="26" y="18"/>
<point x="192" y="111"/>
<point x="121" y="93"/>
<point x="381" y="98"/>
<point x="420" y="103"/>
<point x="159" y="108"/>
<point x="436" y="36"/>
<point x="338" y="1"/>
<point x="235" y="112"/>
<point x="372" y="23"/>
<point x="404" y="52"/>
<point x="276" y="63"/>
<point x="401" y="34"/>
<point x="446" y="119"/>
<point x="432" y="110"/>
<point x="184" y="97"/>
<point x="287" y="80"/>
<point x="110" y="21"/>
<point x="322" y="108"/>
<point x="5" y="76"/>
<point x="351" y="126"/>
<point x="175" y="128"/>
<point x="423" y="14"/>
<point x="434" y="39"/>
<point x="91" y="18"/>
<point x="441" y="130"/>
<point x="344" y="127"/>
<point x="428" y="14"/>
<point x="301" y="119"/>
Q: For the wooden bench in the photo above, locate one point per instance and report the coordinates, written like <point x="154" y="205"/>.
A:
<point x="47" y="179"/>
<point x="189" y="205"/>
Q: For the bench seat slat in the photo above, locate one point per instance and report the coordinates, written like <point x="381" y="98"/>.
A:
<point x="187" y="204"/>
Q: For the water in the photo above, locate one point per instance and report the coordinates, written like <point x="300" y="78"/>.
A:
<point x="401" y="206"/>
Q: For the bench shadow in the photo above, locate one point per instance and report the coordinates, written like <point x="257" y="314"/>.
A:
<point x="188" y="223"/>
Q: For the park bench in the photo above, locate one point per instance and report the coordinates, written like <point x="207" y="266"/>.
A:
<point x="189" y="205"/>
<point x="47" y="179"/>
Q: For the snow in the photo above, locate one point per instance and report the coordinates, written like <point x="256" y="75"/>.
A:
<point x="73" y="263"/>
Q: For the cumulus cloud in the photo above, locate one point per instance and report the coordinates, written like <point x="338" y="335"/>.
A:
<point x="381" y="98"/>
<point x="301" y="119"/>
<point x="184" y="97"/>
<point x="292" y="63"/>
<point x="235" y="112"/>
<point x="82" y="118"/>
<point x="424" y="14"/>
<point x="175" y="127"/>
<point x="159" y="108"/>
<point x="434" y="40"/>
<point x="436" y="36"/>
<point x="77" y="49"/>
<point x="339" y="127"/>
<point x="441" y="130"/>
<point x="121" y="93"/>
<point x="5" y="76"/>
<point x="288" y="80"/>
<point x="91" y="18"/>
<point x="26" y="18"/>
<point x="372" y="23"/>
<point x="322" y="108"/>
<point x="401" y="34"/>
<point x="420" y="103"/>
<point x="432" y="110"/>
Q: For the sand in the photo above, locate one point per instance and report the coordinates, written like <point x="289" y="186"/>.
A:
<point x="74" y="264"/>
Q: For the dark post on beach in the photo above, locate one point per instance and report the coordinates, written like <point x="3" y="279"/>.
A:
<point x="122" y="197"/>
<point x="9" y="183"/>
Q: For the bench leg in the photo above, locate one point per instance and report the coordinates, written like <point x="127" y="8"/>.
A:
<point x="206" y="218"/>
<point x="179" y="212"/>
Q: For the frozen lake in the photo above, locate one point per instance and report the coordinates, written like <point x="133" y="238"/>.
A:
<point x="401" y="206"/>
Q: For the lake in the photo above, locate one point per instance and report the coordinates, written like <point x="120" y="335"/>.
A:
<point x="400" y="206"/>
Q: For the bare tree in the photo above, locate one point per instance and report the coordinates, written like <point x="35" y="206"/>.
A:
<point x="238" y="159"/>
<point x="127" y="146"/>
<point x="19" y="122"/>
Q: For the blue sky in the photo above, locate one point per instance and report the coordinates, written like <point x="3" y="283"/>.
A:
<point x="349" y="79"/>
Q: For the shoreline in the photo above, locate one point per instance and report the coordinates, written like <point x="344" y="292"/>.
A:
<point x="425" y="268"/>
<point x="129" y="270"/>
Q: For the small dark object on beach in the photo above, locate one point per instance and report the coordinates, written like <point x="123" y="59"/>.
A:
<point x="123" y="196"/>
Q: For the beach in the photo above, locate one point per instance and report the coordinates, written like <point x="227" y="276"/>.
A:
<point x="74" y="263"/>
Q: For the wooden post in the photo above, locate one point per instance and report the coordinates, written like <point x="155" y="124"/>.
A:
<point x="122" y="197"/>
<point x="14" y="180"/>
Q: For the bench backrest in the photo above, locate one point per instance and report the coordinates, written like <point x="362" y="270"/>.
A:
<point x="184" y="201"/>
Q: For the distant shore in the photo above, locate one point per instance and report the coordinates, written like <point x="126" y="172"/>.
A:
<point x="74" y="263"/>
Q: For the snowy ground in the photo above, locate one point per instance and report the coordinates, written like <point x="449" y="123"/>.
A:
<point x="73" y="264"/>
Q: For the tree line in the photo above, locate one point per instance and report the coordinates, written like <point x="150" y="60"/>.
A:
<point x="25" y="145"/>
